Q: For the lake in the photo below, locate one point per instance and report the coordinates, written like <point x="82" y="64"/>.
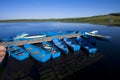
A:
<point x="107" y="67"/>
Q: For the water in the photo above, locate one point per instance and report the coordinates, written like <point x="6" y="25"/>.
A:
<point x="108" y="67"/>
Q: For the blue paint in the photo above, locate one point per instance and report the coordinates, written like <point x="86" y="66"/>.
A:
<point x="17" y="52"/>
<point x="53" y="50"/>
<point x="86" y="45"/>
<point x="72" y="44"/>
<point x="61" y="45"/>
<point x="37" y="53"/>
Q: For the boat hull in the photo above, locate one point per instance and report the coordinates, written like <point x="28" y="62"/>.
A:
<point x="72" y="44"/>
<point x="98" y="36"/>
<point x="86" y="45"/>
<point x="17" y="52"/>
<point x="61" y="45"/>
<point x="37" y="53"/>
<point x="53" y="50"/>
<point x="55" y="55"/>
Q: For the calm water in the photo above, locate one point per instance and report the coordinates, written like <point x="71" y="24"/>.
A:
<point x="107" y="67"/>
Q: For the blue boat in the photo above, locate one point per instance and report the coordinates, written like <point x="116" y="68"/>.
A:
<point x="17" y="52"/>
<point x="98" y="36"/>
<point x="61" y="45"/>
<point x="72" y="44"/>
<point x="8" y="39"/>
<point x="38" y="53"/>
<point x="11" y="38"/>
<point x="86" y="45"/>
<point x="51" y="49"/>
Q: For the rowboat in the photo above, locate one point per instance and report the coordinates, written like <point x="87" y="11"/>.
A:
<point x="53" y="50"/>
<point x="11" y="38"/>
<point x="37" y="53"/>
<point x="61" y="45"/>
<point x="8" y="39"/>
<point x="97" y="36"/>
<point x="17" y="52"/>
<point x="2" y="55"/>
<point x="86" y="45"/>
<point x="21" y="35"/>
<point x="72" y="44"/>
<point x="29" y="38"/>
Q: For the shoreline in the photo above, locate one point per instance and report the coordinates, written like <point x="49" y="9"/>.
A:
<point x="112" y="19"/>
<point x="107" y="24"/>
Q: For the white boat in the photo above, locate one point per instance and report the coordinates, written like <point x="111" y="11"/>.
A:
<point x="29" y="37"/>
<point x="20" y="35"/>
<point x="97" y="36"/>
<point x="38" y="36"/>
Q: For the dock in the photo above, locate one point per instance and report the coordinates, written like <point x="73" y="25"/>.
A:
<point x="38" y="40"/>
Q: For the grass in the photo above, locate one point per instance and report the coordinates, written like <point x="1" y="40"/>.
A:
<point x="110" y="19"/>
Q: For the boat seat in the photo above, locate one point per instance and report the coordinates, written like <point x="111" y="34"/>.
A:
<point x="29" y="49"/>
<point x="43" y="55"/>
<point x="10" y="48"/>
<point x="53" y="51"/>
<point x="20" y="54"/>
<point x="48" y="47"/>
<point x="36" y="52"/>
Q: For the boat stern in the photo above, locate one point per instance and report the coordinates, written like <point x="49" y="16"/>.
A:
<point x="76" y="47"/>
<point x="57" y="54"/>
<point x="92" y="50"/>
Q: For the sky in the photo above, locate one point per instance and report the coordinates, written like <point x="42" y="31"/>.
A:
<point x="44" y="9"/>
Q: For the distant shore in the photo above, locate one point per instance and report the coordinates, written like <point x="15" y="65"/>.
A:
<point x="110" y="19"/>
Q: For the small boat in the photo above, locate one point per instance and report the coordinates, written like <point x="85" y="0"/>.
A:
<point x="2" y="55"/>
<point x="29" y="38"/>
<point x="21" y="35"/>
<point x="86" y="45"/>
<point x="53" y="50"/>
<point x="11" y="38"/>
<point x="17" y="52"/>
<point x="61" y="45"/>
<point x="97" y="36"/>
<point x="72" y="44"/>
<point x="8" y="39"/>
<point x="38" y="53"/>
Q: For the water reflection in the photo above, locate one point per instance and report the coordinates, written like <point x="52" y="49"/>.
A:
<point x="56" y="68"/>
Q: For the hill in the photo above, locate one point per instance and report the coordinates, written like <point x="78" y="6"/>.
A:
<point x="110" y="19"/>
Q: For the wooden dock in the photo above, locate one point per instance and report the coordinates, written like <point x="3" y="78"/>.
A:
<point x="39" y="40"/>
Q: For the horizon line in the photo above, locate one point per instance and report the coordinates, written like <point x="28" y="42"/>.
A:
<point x="57" y="18"/>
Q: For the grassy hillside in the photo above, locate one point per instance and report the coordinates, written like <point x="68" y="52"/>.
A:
<point x="105" y="19"/>
<point x="110" y="19"/>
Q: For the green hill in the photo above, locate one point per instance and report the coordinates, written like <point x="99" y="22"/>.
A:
<point x="110" y="19"/>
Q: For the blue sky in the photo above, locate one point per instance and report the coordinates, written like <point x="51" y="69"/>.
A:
<point x="40" y="9"/>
